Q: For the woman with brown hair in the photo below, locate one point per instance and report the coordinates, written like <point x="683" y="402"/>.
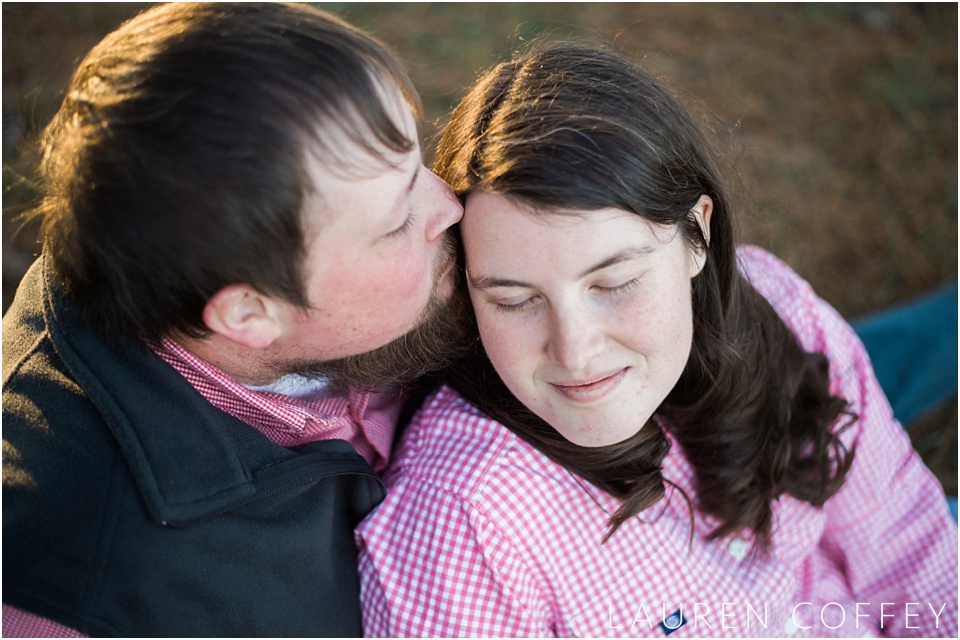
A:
<point x="655" y="429"/>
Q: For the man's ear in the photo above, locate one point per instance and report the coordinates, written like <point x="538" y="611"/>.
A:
<point x="244" y="315"/>
<point x="701" y="212"/>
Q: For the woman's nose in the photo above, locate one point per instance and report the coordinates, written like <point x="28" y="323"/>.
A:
<point x="576" y="339"/>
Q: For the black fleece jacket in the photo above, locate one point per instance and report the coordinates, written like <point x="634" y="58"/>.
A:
<point x="133" y="507"/>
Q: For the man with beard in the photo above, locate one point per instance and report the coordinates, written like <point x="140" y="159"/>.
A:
<point x="243" y="260"/>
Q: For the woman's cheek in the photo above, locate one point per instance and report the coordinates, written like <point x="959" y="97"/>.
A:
<point x="491" y="334"/>
<point x="502" y="341"/>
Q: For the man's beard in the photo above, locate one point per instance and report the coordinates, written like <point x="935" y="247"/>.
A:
<point x="434" y="343"/>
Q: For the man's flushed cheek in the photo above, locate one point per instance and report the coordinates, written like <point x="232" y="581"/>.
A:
<point x="409" y="280"/>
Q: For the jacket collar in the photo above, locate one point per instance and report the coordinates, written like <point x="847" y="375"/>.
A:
<point x="189" y="458"/>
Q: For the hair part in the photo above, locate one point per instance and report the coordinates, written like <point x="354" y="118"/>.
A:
<point x="568" y="126"/>
<point x="176" y="163"/>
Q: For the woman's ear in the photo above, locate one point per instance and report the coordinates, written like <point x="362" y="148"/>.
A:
<point x="244" y="315"/>
<point x="702" y="212"/>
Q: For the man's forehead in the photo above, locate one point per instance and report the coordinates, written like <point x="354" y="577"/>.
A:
<point x="342" y="158"/>
<point x="358" y="184"/>
<point x="350" y="147"/>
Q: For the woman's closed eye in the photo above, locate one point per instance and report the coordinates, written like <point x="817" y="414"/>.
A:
<point x="615" y="289"/>
<point x="528" y="302"/>
<point x="516" y="303"/>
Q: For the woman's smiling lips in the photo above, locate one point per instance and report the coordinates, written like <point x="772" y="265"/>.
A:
<point x="591" y="390"/>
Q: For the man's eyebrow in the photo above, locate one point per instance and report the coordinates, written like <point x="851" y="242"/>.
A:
<point x="406" y="193"/>
<point x="486" y="282"/>
<point x="394" y="211"/>
<point x="413" y="180"/>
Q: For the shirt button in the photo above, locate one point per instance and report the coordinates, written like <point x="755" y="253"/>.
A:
<point x="738" y="549"/>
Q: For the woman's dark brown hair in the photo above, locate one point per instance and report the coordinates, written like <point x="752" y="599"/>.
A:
<point x="569" y="126"/>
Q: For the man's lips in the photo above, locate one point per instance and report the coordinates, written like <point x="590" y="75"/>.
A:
<point x="590" y="389"/>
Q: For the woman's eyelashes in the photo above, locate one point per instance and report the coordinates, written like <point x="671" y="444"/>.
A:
<point x="618" y="288"/>
<point x="516" y="304"/>
<point x="513" y="307"/>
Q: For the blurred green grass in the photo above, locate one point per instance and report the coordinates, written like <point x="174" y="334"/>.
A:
<point x="840" y="119"/>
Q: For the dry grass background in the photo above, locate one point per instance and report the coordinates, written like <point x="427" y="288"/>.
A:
<point x="841" y="120"/>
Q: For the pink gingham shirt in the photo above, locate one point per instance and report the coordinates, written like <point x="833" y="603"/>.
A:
<point x="366" y="421"/>
<point x="482" y="535"/>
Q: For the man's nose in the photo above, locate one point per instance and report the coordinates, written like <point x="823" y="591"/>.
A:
<point x="443" y="206"/>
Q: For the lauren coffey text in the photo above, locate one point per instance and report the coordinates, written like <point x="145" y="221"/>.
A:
<point x="759" y="616"/>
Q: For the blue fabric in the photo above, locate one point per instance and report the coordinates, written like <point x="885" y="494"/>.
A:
<point x="913" y="347"/>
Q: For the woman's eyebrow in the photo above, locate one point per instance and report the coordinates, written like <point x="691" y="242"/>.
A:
<point x="484" y="282"/>
<point x="621" y="256"/>
<point x="487" y="282"/>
